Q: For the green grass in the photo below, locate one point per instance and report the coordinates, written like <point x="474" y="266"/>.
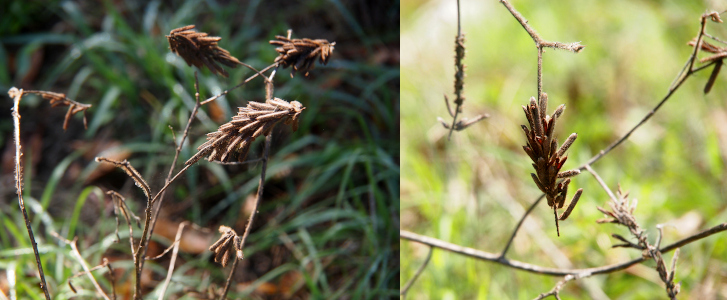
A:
<point x="332" y="187"/>
<point x="472" y="190"/>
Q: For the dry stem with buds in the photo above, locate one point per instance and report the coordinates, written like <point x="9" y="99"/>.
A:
<point x="301" y="54"/>
<point x="198" y="49"/>
<point x="459" y="67"/>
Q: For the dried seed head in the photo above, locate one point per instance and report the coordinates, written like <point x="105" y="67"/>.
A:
<point x="198" y="49"/>
<point x="235" y="137"/>
<point x="301" y="54"/>
<point x="224" y="245"/>
<point x="542" y="148"/>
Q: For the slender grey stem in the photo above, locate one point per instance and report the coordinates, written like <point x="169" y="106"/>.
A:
<point x="419" y="271"/>
<point x="493" y="257"/>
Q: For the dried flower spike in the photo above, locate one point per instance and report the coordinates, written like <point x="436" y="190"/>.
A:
<point x="548" y="158"/>
<point x="250" y="122"/>
<point x="224" y="246"/>
<point x="196" y="48"/>
<point x="301" y="54"/>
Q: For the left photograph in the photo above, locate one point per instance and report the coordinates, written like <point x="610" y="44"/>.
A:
<point x="200" y="150"/>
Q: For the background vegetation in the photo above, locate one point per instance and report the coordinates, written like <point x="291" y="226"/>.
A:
<point x="473" y="189"/>
<point x="328" y="219"/>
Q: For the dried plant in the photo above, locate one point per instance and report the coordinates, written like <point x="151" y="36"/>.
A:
<point x="718" y="55"/>
<point x="622" y="213"/>
<point x="59" y="99"/>
<point x="548" y="159"/>
<point x="250" y="122"/>
<point x="459" y="68"/>
<point x="198" y="49"/>
<point x="119" y="203"/>
<point x="223" y="247"/>
<point x="301" y="54"/>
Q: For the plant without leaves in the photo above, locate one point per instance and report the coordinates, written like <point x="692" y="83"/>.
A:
<point x="196" y="48"/>
<point x="250" y="122"/>
<point x="548" y="159"/>
<point x="301" y="54"/>
<point x="622" y="213"/>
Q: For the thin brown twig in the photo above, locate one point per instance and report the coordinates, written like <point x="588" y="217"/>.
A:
<point x="261" y="184"/>
<point x="178" y="149"/>
<point x="459" y="74"/>
<point x="81" y="261"/>
<point x="17" y="95"/>
<point x="493" y="257"/>
<point x="213" y="98"/>
<point x="419" y="271"/>
<point x="602" y="183"/>
<point x="57" y="99"/>
<point x="229" y="279"/>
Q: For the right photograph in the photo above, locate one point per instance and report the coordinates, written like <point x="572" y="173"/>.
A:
<point x="570" y="150"/>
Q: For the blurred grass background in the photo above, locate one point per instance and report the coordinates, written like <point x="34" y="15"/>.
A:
<point x="328" y="219"/>
<point x="473" y="189"/>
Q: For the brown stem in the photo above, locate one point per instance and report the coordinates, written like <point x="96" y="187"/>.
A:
<point x="178" y="149"/>
<point x="602" y="183"/>
<point x="229" y="278"/>
<point x="17" y="95"/>
<point x="520" y="223"/>
<point x="261" y="185"/>
<point x="177" y="241"/>
<point x="213" y="98"/>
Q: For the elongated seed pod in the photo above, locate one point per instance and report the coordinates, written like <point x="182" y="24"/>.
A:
<point x="572" y="204"/>
<point x="568" y="142"/>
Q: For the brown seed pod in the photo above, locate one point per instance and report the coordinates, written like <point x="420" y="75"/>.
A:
<point x="235" y="137"/>
<point x="301" y="54"/>
<point x="198" y="49"/>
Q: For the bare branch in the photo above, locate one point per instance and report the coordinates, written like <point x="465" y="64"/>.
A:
<point x="17" y="95"/>
<point x="419" y="271"/>
<point x="492" y="257"/>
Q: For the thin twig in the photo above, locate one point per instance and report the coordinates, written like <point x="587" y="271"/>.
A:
<point x="177" y="241"/>
<point x="213" y="98"/>
<point x="17" y="95"/>
<point x="82" y="262"/>
<point x="229" y="279"/>
<point x="493" y="257"/>
<point x="602" y="183"/>
<point x="419" y="271"/>
<point x="261" y="184"/>
<point x="520" y="223"/>
<point x="177" y="150"/>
